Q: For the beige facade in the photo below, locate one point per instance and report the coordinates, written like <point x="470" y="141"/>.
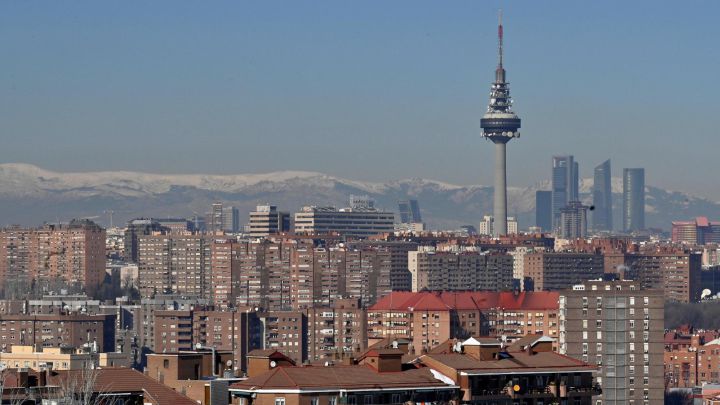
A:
<point x="59" y="358"/>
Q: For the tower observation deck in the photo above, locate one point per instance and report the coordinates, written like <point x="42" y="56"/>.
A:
<point x="500" y="124"/>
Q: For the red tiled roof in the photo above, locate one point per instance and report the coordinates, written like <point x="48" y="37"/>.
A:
<point x="540" y="362"/>
<point x="338" y="377"/>
<point x="121" y="380"/>
<point x="467" y="300"/>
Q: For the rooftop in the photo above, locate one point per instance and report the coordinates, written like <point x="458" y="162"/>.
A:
<point x="467" y="300"/>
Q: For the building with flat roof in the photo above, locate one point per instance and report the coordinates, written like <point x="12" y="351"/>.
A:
<point x="618" y="326"/>
<point x="358" y="222"/>
<point x="267" y="220"/>
<point x="633" y="199"/>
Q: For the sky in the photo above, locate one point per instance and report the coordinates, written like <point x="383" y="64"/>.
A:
<point x="370" y="90"/>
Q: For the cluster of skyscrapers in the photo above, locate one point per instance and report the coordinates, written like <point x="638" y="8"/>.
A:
<point x="561" y="209"/>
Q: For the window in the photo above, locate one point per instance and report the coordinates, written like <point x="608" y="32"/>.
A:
<point x="166" y="363"/>
<point x="315" y="401"/>
<point x="280" y="401"/>
<point x="332" y="401"/>
<point x="368" y="399"/>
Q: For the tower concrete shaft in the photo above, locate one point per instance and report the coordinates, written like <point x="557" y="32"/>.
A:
<point x="500" y="193"/>
<point x="500" y="125"/>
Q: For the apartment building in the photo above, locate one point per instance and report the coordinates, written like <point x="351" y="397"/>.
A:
<point x="175" y="264"/>
<point x="90" y="331"/>
<point x="554" y="271"/>
<point x="466" y="270"/>
<point x="428" y="319"/>
<point x="675" y="271"/>
<point x="337" y="331"/>
<point x="618" y="326"/>
<point x="73" y="253"/>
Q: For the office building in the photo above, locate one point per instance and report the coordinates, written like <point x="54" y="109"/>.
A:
<point x="565" y="184"/>
<point x="409" y="211"/>
<point x="573" y="220"/>
<point x="633" y="200"/>
<point x="500" y="125"/>
<point x="216" y="217"/>
<point x="543" y="210"/>
<point x="358" y="222"/>
<point x="460" y="271"/>
<point x="602" y="198"/>
<point x="267" y="220"/>
<point x="230" y="220"/>
<point x="618" y="326"/>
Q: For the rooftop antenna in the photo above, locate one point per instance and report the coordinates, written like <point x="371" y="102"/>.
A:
<point x="500" y="39"/>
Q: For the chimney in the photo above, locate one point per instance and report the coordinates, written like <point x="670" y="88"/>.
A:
<point x="384" y="360"/>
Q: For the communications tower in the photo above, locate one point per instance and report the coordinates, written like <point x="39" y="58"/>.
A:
<point x="500" y="125"/>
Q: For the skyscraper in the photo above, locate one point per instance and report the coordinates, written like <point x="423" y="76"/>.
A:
<point x="602" y="197"/>
<point x="543" y="210"/>
<point x="565" y="184"/>
<point x="633" y="199"/>
<point x="500" y="125"/>
<point x="409" y="211"/>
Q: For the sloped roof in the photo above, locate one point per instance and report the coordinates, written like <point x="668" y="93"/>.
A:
<point x="120" y="380"/>
<point x="529" y="340"/>
<point x="467" y="300"/>
<point x="516" y="362"/>
<point x="338" y="377"/>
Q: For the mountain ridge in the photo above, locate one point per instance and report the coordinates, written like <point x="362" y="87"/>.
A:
<point x="30" y="195"/>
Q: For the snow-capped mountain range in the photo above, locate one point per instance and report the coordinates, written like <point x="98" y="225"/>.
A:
<point x="30" y="195"/>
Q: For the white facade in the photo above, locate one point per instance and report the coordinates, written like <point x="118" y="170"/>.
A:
<point x="487" y="225"/>
<point x="347" y="221"/>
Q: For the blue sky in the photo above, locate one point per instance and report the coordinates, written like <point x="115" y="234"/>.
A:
<point x="370" y="90"/>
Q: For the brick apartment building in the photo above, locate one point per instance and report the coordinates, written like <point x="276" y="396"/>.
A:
<point x="429" y="318"/>
<point x="174" y="263"/>
<point x="58" y="330"/>
<point x="676" y="271"/>
<point x="73" y="253"/>
<point x="554" y="271"/>
<point x="460" y="271"/>
<point x="292" y="273"/>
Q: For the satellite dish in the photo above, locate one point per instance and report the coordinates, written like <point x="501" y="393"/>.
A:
<point x="273" y="364"/>
<point x="198" y="346"/>
<point x="705" y="293"/>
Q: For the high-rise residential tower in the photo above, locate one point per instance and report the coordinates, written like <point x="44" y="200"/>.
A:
<point x="500" y="125"/>
<point x="602" y="197"/>
<point x="565" y="184"/>
<point x="633" y="199"/>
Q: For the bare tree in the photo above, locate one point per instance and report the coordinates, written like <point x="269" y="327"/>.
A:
<point x="81" y="388"/>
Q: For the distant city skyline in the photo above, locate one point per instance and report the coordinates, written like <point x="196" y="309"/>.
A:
<point x="370" y="91"/>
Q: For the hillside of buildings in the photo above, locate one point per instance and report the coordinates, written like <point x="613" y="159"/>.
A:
<point x="28" y="192"/>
